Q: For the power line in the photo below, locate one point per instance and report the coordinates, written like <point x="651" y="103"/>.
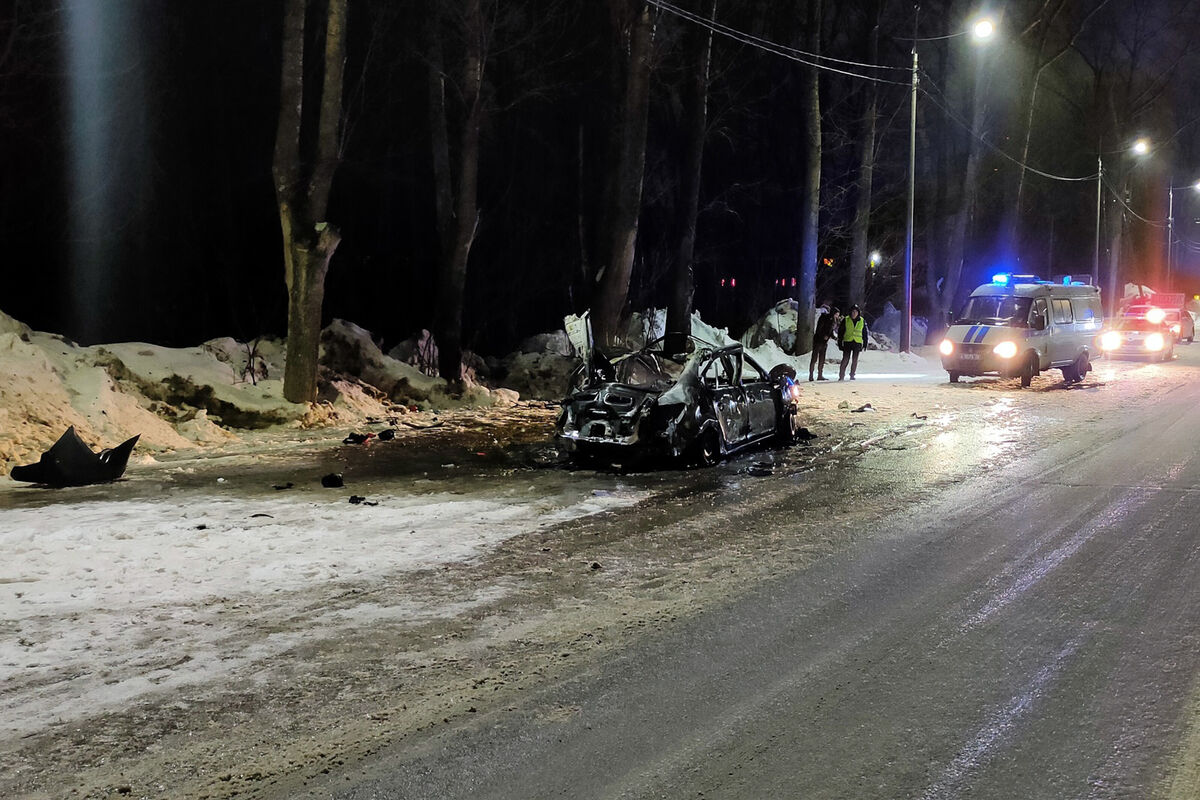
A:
<point x="1128" y="208"/>
<point x="996" y="149"/>
<point x="792" y="54"/>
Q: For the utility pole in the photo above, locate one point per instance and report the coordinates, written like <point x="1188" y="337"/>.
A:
<point x="906" y="321"/>
<point x="1099" y="181"/>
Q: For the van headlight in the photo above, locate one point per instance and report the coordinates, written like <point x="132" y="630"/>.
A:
<point x="1110" y="340"/>
<point x="946" y="348"/>
<point x="1005" y="349"/>
<point x="1155" y="342"/>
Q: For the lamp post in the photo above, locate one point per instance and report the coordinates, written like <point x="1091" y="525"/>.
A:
<point x="1140" y="147"/>
<point x="1171" y="226"/>
<point x="982" y="30"/>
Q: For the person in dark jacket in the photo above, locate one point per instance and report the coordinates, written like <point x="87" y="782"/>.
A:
<point x="825" y="328"/>
<point x="852" y="338"/>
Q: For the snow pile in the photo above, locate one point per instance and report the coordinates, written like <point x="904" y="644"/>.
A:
<point x="181" y="398"/>
<point x="171" y="397"/>
<point x="890" y="322"/>
<point x="419" y="351"/>
<point x="777" y="325"/>
<point x="541" y="367"/>
<point x="348" y="349"/>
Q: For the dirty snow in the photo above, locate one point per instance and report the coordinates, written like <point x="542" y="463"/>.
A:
<point x="106" y="601"/>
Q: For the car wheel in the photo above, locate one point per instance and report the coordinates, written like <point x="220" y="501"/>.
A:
<point x="1028" y="371"/>
<point x="707" y="449"/>
<point x="954" y="377"/>
<point x="786" y="428"/>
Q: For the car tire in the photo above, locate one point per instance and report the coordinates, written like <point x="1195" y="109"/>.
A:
<point x="954" y="376"/>
<point x="706" y="450"/>
<point x="786" y="428"/>
<point x="1070" y="373"/>
<point x="1028" y="371"/>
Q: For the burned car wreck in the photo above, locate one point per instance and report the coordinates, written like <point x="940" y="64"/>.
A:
<point x="696" y="406"/>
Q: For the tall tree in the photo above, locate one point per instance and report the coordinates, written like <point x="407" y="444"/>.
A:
<point x="811" y="204"/>
<point x="455" y="190"/>
<point x="633" y="39"/>
<point x="306" y="155"/>
<point x="695" y="124"/>
<point x="860" y="247"/>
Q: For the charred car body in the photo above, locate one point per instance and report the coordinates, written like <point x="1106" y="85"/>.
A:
<point x="698" y="406"/>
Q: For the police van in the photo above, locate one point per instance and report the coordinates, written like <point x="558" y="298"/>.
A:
<point x="1018" y="326"/>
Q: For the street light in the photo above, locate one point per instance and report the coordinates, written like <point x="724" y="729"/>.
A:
<point x="1140" y="147"/>
<point x="981" y="31"/>
<point x="1171" y="225"/>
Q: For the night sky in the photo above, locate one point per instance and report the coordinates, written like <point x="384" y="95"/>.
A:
<point x="136" y="142"/>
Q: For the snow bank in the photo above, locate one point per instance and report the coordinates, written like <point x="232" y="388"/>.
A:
<point x="348" y="349"/>
<point x="179" y="398"/>
<point x="777" y="325"/>
<point x="890" y="322"/>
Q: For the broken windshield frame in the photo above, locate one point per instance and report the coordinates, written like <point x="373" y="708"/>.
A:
<point x="996" y="309"/>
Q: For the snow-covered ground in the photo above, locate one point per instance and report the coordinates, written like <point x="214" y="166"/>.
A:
<point x="105" y="601"/>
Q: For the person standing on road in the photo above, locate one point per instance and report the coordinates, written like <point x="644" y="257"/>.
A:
<point x="822" y="333"/>
<point x="852" y="337"/>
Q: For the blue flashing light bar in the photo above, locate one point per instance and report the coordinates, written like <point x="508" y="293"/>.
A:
<point x="1001" y="278"/>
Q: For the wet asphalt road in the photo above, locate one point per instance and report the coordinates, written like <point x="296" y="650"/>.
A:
<point x="1032" y="633"/>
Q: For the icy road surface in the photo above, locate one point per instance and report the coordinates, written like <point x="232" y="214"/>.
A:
<point x="967" y="590"/>
<point x="1034" y="633"/>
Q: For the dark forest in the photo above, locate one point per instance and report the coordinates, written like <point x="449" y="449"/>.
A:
<point x="137" y="137"/>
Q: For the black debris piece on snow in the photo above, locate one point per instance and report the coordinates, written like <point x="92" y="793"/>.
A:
<point x="333" y="481"/>
<point x="70" y="462"/>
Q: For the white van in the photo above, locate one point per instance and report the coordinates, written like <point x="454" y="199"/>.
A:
<point x="1018" y="325"/>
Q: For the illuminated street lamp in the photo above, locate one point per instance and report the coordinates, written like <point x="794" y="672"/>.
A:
<point x="981" y="31"/>
<point x="875" y="259"/>
<point x="1140" y="147"/>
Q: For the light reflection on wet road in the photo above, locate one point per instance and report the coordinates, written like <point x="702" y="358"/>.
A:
<point x="1029" y="632"/>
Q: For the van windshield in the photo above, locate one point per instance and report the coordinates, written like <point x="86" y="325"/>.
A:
<point x="996" y="309"/>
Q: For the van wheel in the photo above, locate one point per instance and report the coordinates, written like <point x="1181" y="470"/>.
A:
<point x="1076" y="372"/>
<point x="954" y="377"/>
<point x="1028" y="371"/>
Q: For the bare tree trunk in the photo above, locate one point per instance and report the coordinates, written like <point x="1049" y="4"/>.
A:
<point x="860" y="247"/>
<point x="460" y="233"/>
<point x="619" y="238"/>
<point x="679" y="309"/>
<point x="1114" y="287"/>
<point x="956" y="248"/>
<point x="811" y="205"/>
<point x="439" y="128"/>
<point x="308" y="240"/>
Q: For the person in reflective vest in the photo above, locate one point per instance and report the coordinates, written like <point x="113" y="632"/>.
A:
<point x="852" y="337"/>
